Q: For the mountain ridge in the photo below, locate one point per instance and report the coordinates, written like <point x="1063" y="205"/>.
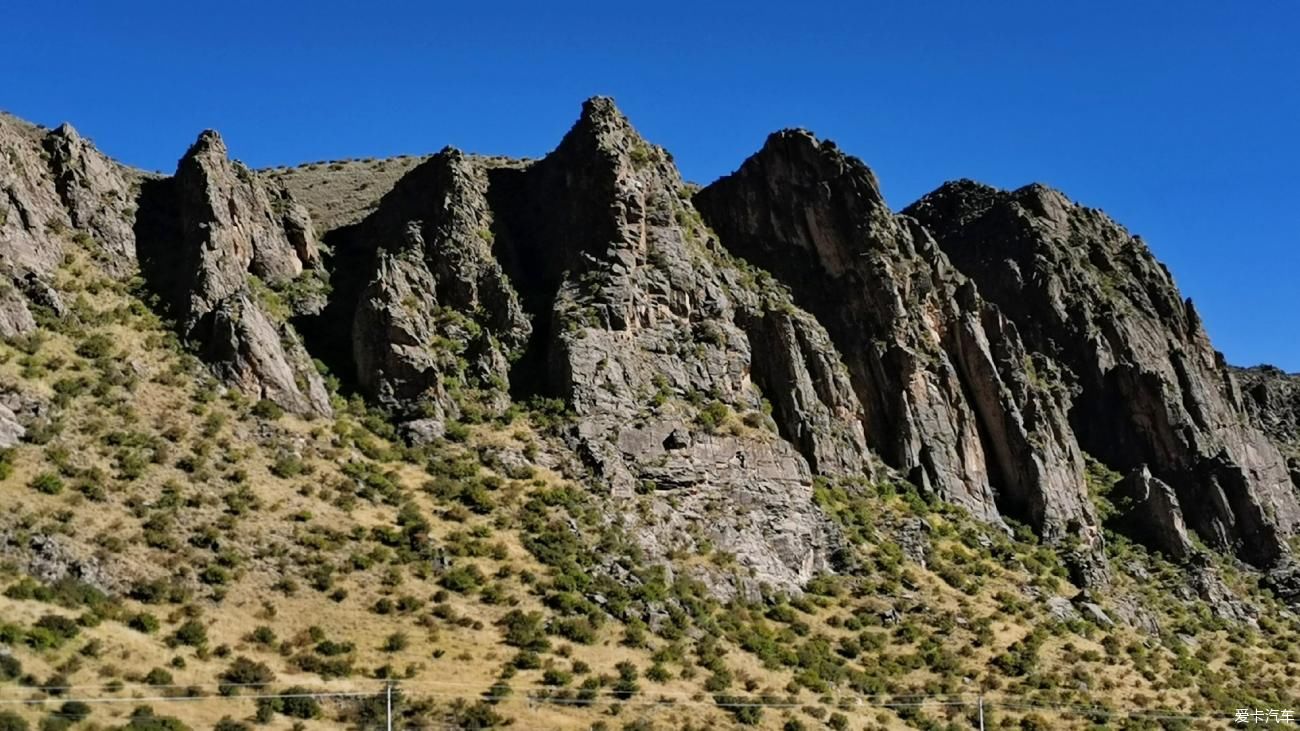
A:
<point x="730" y="372"/>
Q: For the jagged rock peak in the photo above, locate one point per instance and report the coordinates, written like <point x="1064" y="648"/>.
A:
<point x="97" y="195"/>
<point x="229" y="224"/>
<point x="436" y="314"/>
<point x="229" y="229"/>
<point x="802" y="146"/>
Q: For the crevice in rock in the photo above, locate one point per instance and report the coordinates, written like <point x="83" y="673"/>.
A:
<point x="157" y="243"/>
<point x="534" y="267"/>
<point x="327" y="335"/>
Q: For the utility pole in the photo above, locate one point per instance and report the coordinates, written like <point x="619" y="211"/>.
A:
<point x="388" y="693"/>
<point x="981" y="711"/>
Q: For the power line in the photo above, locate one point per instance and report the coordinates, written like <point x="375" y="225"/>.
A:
<point x="614" y="697"/>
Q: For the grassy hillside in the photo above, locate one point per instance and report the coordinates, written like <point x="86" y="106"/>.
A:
<point x="265" y="571"/>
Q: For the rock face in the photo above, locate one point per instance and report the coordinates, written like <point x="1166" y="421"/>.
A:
<point x="31" y="214"/>
<point x="1272" y="399"/>
<point x="946" y="389"/>
<point x="647" y="331"/>
<point x="1152" y="513"/>
<point x="33" y="223"/>
<point x="98" y="199"/>
<point x="436" y="324"/>
<point x="1145" y="385"/>
<point x="226" y="229"/>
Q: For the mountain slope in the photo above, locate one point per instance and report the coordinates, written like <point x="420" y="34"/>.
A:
<point x="568" y="443"/>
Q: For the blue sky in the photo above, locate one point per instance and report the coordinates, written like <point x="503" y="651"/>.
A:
<point x="1178" y="119"/>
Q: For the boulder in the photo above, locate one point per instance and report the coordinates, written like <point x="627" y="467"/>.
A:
<point x="1150" y="512"/>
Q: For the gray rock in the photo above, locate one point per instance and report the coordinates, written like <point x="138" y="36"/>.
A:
<point x="11" y="431"/>
<point x="422" y="431"/>
<point x="50" y="559"/>
<point x="97" y="196"/>
<point x="229" y="230"/>
<point x="634" y="311"/>
<point x="1096" y="614"/>
<point x="1131" y="613"/>
<point x="437" y="315"/>
<point x="679" y="438"/>
<point x="939" y="375"/>
<point x="1272" y="399"/>
<point x="15" y="316"/>
<point x="1144" y="384"/>
<point x="1152" y="514"/>
<point x="262" y="358"/>
<point x="1062" y="609"/>
<point x="34" y="226"/>
<point x="913" y="539"/>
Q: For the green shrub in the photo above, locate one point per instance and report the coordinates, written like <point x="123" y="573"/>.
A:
<point x="192" y="633"/>
<point x="299" y="704"/>
<point x="396" y="642"/>
<point x="74" y="711"/>
<point x="243" y="671"/>
<point x="10" y="668"/>
<point x="143" y="622"/>
<point x="48" y="483"/>
<point x="96" y="346"/>
<point x="267" y="409"/>
<point x="287" y="465"/>
<point x="10" y="721"/>
<point x="713" y="416"/>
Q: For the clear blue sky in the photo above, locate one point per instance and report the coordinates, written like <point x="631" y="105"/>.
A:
<point x="1182" y="120"/>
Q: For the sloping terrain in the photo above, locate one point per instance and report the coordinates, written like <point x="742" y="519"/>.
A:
<point x="567" y="443"/>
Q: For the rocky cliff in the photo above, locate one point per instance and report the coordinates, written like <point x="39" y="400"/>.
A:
<point x="716" y="352"/>
<point x="948" y="392"/>
<point x="1145" y="387"/>
<point x="1272" y="399"/>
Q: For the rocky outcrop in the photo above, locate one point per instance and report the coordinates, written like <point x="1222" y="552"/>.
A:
<point x="1272" y="398"/>
<point x="32" y="218"/>
<point x="226" y="230"/>
<point x="437" y="324"/>
<point x="19" y="413"/>
<point x="11" y="431"/>
<point x="1149" y="511"/>
<point x="655" y="340"/>
<point x="798" y="369"/>
<point x="15" y="316"/>
<point x="99" y="200"/>
<point x="298" y="226"/>
<point x="34" y="226"/>
<point x="1145" y="386"/>
<point x="946" y="390"/>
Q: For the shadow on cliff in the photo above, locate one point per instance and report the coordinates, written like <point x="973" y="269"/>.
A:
<point x="327" y="334"/>
<point x="533" y="262"/>
<point x="157" y="235"/>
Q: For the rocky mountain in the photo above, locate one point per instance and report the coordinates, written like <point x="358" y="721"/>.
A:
<point x="1147" y="389"/>
<point x="740" y="379"/>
